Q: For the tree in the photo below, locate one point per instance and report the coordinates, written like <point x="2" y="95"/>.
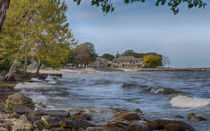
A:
<point x="108" y="56"/>
<point x="15" y="38"/>
<point x="72" y="56"/>
<point x="91" y="49"/>
<point x="107" y="5"/>
<point x="129" y="53"/>
<point x="152" y="61"/>
<point x="39" y="31"/>
<point x="83" y="55"/>
<point x="117" y="55"/>
<point x="55" y="38"/>
<point x="4" y="4"/>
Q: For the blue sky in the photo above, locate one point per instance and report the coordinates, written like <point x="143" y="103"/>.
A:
<point x="184" y="38"/>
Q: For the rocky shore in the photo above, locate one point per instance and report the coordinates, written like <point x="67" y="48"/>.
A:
<point x="19" y="113"/>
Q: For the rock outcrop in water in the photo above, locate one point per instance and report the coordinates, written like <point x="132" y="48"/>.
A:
<point x="19" y="115"/>
<point x="194" y="117"/>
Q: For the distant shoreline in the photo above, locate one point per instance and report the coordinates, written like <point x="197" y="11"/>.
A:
<point x="78" y="70"/>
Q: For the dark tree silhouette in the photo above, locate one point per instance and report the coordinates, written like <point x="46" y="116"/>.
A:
<point x="107" y="5"/>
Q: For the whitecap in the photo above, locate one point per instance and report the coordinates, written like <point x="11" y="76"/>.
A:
<point x="50" y="80"/>
<point x="188" y="102"/>
<point x="29" y="85"/>
<point x="156" y="91"/>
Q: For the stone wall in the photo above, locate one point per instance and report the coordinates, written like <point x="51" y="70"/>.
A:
<point x="4" y="4"/>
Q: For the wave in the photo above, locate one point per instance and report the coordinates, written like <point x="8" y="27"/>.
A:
<point x="31" y="85"/>
<point x="188" y="102"/>
<point x="50" y="79"/>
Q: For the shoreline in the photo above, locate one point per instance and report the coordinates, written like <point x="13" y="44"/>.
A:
<point x="17" y="112"/>
<point x="79" y="70"/>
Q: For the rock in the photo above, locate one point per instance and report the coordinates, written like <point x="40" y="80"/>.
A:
<point x="16" y="99"/>
<point x="175" y="127"/>
<point x="137" y="126"/>
<point x="39" y="124"/>
<point x="59" y="113"/>
<point x="117" y="109"/>
<point x="127" y="116"/>
<point x="22" y="124"/>
<point x="105" y="129"/>
<point x="91" y="110"/>
<point x="41" y="105"/>
<point x="68" y="123"/>
<point x="32" y="117"/>
<point x="179" y="116"/>
<point x="75" y="124"/>
<point x="84" y="124"/>
<point x="81" y="116"/>
<point x="4" y="115"/>
<point x="22" y="109"/>
<point x="50" y="122"/>
<point x="4" y="126"/>
<point x="117" y="124"/>
<point x="3" y="129"/>
<point x="194" y="117"/>
<point x="14" y="115"/>
<point x="128" y="85"/>
<point x="138" y="110"/>
<point x="161" y="124"/>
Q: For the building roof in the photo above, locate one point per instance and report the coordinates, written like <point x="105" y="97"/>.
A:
<point x="126" y="58"/>
<point x="103" y="60"/>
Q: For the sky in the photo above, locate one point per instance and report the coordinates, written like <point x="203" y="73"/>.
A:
<point x="184" y="38"/>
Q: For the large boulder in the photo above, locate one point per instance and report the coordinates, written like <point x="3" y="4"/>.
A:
<point x="81" y="116"/>
<point x="50" y="122"/>
<point x="18" y="99"/>
<point x="137" y="126"/>
<point x="117" y="124"/>
<point x="22" y="124"/>
<point x="59" y="113"/>
<point x="127" y="116"/>
<point x="75" y="124"/>
<point x="22" y="109"/>
<point x="161" y="124"/>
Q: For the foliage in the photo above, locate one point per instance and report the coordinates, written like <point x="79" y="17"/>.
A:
<point x="152" y="60"/>
<point x="108" y="56"/>
<point x="107" y="5"/>
<point x="136" y="54"/>
<point x="37" y="29"/>
<point x="91" y="49"/>
<point x="83" y="56"/>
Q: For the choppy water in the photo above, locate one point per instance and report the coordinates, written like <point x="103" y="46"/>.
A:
<point x="157" y="94"/>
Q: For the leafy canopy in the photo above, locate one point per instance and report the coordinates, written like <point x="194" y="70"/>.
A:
<point x="152" y="60"/>
<point x="107" y="5"/>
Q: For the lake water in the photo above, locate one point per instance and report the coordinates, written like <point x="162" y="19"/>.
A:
<point x="157" y="94"/>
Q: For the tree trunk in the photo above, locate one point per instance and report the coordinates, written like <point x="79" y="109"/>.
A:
<point x="40" y="64"/>
<point x="4" y="5"/>
<point x="25" y="66"/>
<point x="10" y="75"/>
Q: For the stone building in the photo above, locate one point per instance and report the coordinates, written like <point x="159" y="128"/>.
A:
<point x="127" y="61"/>
<point x="98" y="63"/>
